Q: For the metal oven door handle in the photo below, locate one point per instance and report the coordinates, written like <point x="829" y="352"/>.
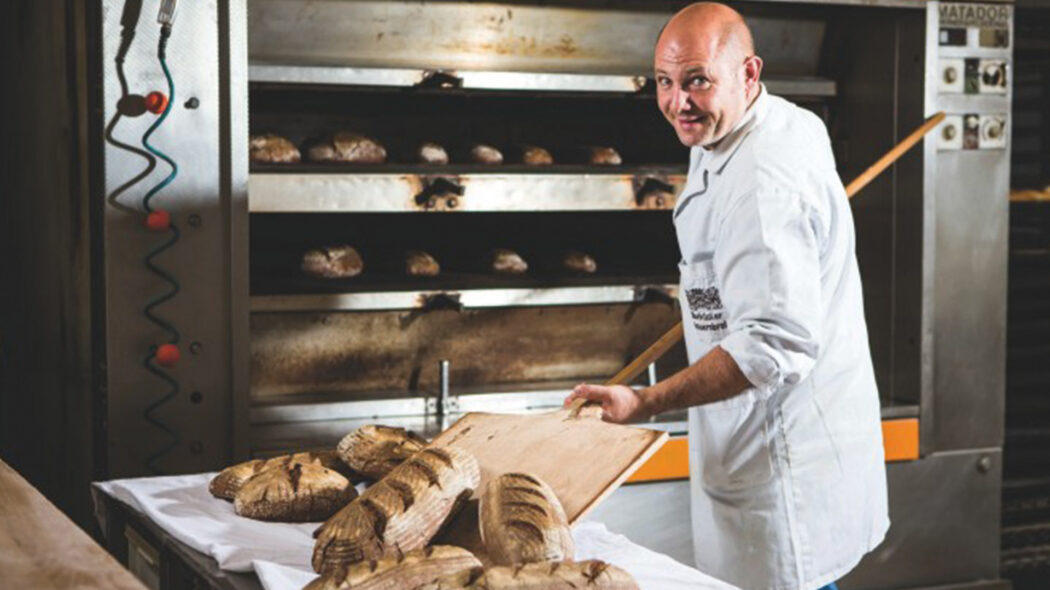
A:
<point x="439" y="187"/>
<point x="439" y="79"/>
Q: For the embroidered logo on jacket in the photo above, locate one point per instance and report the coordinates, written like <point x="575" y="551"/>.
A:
<point x="705" y="305"/>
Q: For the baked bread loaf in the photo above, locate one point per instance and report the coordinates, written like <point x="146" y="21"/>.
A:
<point x="398" y="572"/>
<point x="299" y="492"/>
<point x="554" y="575"/>
<point x="421" y="264"/>
<point x="485" y="154"/>
<point x="272" y="149"/>
<point x="522" y="521"/>
<point x="229" y="481"/>
<point x="401" y="512"/>
<point x="431" y="153"/>
<point x="508" y="262"/>
<point x="603" y="156"/>
<point x="550" y="575"/>
<point x="347" y="147"/>
<point x="374" y="451"/>
<point x="332" y="262"/>
<point x="536" y="156"/>
<point x="575" y="261"/>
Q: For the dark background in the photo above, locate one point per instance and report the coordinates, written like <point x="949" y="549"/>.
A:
<point x="51" y="323"/>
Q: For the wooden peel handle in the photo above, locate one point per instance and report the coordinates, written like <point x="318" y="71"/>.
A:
<point x="892" y="155"/>
<point x="675" y="334"/>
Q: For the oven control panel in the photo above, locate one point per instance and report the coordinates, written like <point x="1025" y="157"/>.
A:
<point x="973" y="66"/>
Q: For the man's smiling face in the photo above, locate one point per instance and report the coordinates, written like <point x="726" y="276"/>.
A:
<point x="705" y="77"/>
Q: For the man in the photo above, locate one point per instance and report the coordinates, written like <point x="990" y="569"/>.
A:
<point x="788" y="483"/>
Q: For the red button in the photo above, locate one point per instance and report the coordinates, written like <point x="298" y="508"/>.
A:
<point x="156" y="102"/>
<point x="167" y="355"/>
<point x="159" y="220"/>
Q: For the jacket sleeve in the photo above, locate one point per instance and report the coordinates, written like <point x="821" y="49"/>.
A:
<point x="767" y="262"/>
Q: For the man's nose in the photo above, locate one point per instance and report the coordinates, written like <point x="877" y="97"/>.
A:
<point x="680" y="100"/>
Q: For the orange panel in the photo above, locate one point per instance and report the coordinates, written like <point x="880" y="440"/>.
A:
<point x="900" y="439"/>
<point x="671" y="461"/>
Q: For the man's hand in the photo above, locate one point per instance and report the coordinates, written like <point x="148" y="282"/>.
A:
<point x="620" y="403"/>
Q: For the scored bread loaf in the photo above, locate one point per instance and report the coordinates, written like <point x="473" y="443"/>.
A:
<point x="345" y="146"/>
<point x="229" y="481"/>
<point x="299" y="492"/>
<point x="592" y="574"/>
<point x="272" y="149"/>
<point x="397" y="572"/>
<point x="400" y="512"/>
<point x="431" y="153"/>
<point x="374" y="450"/>
<point x="522" y="521"/>
<point x="508" y="262"/>
<point x="332" y="262"/>
<point x="550" y="575"/>
<point x="575" y="261"/>
<point x="421" y="264"/>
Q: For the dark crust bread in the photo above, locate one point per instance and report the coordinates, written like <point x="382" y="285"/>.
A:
<point x="347" y="147"/>
<point x="374" y="450"/>
<point x="272" y="149"/>
<point x="405" y="570"/>
<point x="522" y="521"/>
<point x="299" y="492"/>
<point x="229" y="481"/>
<point x="421" y="264"/>
<point x="401" y="512"/>
<point x="332" y="262"/>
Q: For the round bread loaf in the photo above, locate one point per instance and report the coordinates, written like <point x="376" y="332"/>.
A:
<point x="374" y="450"/>
<point x="508" y="262"/>
<point x="272" y="149"/>
<point x="332" y="262"/>
<point x="421" y="264"/>
<point x="230" y="480"/>
<point x="349" y="147"/>
<point x="432" y="153"/>
<point x="536" y="156"/>
<point x="604" y="156"/>
<point x="299" y="492"/>
<point x="486" y="154"/>
<point x="575" y="261"/>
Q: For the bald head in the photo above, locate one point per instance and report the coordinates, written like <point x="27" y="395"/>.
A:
<point x="717" y="27"/>
<point x="706" y="72"/>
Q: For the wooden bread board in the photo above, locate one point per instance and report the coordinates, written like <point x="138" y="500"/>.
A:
<point x="581" y="457"/>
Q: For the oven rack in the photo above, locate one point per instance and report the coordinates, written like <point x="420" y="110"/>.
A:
<point x="464" y="298"/>
<point x="343" y="190"/>
<point x="470" y="80"/>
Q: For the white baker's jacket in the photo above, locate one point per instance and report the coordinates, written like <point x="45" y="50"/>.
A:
<point x="788" y="480"/>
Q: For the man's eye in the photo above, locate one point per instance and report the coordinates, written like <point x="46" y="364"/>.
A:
<point x="665" y="82"/>
<point x="698" y="82"/>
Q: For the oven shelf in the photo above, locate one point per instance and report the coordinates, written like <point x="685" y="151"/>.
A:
<point x="465" y="299"/>
<point x="339" y="190"/>
<point x="265" y="73"/>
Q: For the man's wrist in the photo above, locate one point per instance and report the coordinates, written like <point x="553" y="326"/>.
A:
<point x="648" y="402"/>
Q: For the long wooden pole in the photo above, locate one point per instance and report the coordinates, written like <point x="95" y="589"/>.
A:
<point x="675" y="334"/>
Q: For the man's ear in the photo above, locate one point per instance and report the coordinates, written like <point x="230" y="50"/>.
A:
<point x="752" y="71"/>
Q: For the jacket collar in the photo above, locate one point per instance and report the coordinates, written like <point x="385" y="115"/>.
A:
<point x="716" y="158"/>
